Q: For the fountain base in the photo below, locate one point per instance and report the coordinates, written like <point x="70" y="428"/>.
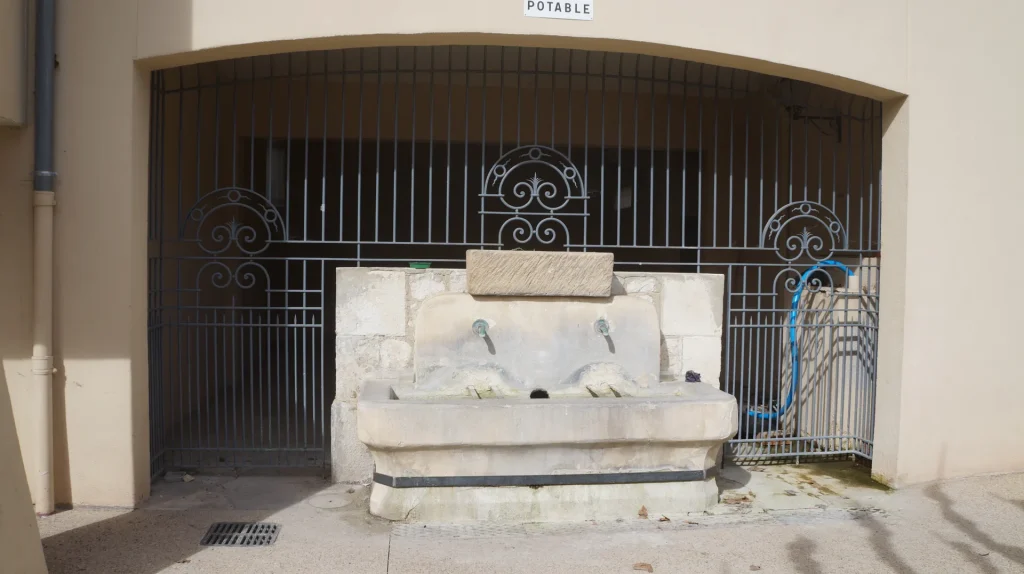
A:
<point x="463" y="459"/>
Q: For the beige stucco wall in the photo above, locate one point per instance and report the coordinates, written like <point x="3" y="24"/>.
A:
<point x="19" y="538"/>
<point x="100" y="429"/>
<point x="16" y="280"/>
<point x="948" y="385"/>
<point x="860" y="45"/>
<point x="100" y="336"/>
<point x="950" y="402"/>
<point x="13" y="61"/>
<point x="20" y="547"/>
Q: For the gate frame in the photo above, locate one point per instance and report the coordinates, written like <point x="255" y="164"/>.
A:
<point x="887" y="191"/>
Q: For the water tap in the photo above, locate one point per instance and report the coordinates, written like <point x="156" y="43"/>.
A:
<point x="601" y="326"/>
<point x="480" y="328"/>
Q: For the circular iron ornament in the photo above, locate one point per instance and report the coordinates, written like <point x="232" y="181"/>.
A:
<point x="535" y="184"/>
<point x="517" y="179"/>
<point x="821" y="235"/>
<point x="233" y="217"/>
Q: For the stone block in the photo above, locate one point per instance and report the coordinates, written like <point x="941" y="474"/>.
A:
<point x="649" y="297"/>
<point x="703" y="355"/>
<point x="350" y="459"/>
<point x="370" y="302"/>
<point x="539" y="273"/>
<point x="425" y="285"/>
<point x="576" y="503"/>
<point x="395" y="356"/>
<point x="672" y="356"/>
<point x="355" y="359"/>
<point x="691" y="304"/>
<point x="457" y="281"/>
<point x="640" y="284"/>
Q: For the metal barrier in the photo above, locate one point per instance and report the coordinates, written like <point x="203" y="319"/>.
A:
<point x="269" y="172"/>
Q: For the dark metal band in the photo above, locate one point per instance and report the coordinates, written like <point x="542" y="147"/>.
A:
<point x="543" y="479"/>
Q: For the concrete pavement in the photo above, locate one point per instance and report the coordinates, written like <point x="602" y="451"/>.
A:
<point x="807" y="519"/>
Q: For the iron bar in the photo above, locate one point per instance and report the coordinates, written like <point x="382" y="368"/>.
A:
<point x="686" y="142"/>
<point x="394" y="161"/>
<point x="465" y="156"/>
<point x="448" y="157"/>
<point x="344" y="137"/>
<point x="618" y="163"/>
<point x="323" y="159"/>
<point x="483" y="142"/>
<point x="700" y="160"/>
<point x="714" y="170"/>
<point x="376" y="167"/>
<point x="430" y="175"/>
<point x="305" y="159"/>
<point x="636" y="142"/>
<point x="732" y="133"/>
<point x="650" y="222"/>
<point x="668" y="152"/>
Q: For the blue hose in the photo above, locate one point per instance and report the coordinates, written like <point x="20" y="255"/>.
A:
<point x="794" y="347"/>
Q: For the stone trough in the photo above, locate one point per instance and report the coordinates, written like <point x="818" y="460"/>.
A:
<point x="531" y="402"/>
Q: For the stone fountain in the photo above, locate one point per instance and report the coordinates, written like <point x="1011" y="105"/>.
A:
<point x="539" y="396"/>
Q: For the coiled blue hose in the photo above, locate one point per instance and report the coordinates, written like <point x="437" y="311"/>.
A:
<point x="794" y="347"/>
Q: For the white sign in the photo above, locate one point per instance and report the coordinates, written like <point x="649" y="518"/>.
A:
<point x="561" y="9"/>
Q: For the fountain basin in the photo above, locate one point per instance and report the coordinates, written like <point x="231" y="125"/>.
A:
<point x="460" y="458"/>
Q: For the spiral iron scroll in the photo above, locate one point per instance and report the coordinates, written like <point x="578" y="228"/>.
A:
<point x="788" y="278"/>
<point x="250" y="222"/>
<point x="247" y="276"/>
<point x="544" y="231"/>
<point x="535" y="184"/>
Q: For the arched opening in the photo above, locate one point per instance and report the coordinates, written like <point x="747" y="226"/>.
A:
<point x="270" y="172"/>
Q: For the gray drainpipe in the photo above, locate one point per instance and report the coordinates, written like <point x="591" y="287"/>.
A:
<point x="44" y="176"/>
<point x="42" y="306"/>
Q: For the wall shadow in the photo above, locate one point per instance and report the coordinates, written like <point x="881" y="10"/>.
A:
<point x="732" y="476"/>
<point x="971" y="557"/>
<point x="970" y="529"/>
<point x="881" y="542"/>
<point x="166" y="532"/>
<point x="801" y="556"/>
<point x="1018" y="503"/>
<point x="63" y="491"/>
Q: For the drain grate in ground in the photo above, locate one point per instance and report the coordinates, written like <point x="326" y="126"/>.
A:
<point x="241" y="534"/>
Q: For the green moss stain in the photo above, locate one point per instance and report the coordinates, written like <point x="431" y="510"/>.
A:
<point x="845" y="472"/>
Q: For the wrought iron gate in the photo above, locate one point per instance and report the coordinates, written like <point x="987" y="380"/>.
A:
<point x="269" y="172"/>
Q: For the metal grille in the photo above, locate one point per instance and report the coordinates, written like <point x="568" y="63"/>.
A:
<point x="241" y="534"/>
<point x="270" y="172"/>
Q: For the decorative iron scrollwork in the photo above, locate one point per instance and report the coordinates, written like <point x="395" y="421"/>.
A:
<point x="821" y="235"/>
<point x="790" y="281"/>
<point x="247" y="276"/>
<point x="244" y="276"/>
<point x="534" y="185"/>
<point x="544" y="231"/>
<point x="233" y="217"/>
